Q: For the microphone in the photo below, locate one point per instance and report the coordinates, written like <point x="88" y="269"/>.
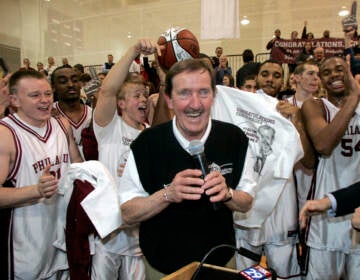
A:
<point x="196" y="149"/>
<point x="253" y="272"/>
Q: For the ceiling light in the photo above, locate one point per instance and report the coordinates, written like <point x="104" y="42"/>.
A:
<point x="245" y="21"/>
<point x="343" y="12"/>
<point x="129" y="36"/>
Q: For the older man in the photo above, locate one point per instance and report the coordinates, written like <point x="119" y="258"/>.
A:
<point x="165" y="191"/>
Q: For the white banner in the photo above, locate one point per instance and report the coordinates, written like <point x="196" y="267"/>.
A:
<point x="220" y="19"/>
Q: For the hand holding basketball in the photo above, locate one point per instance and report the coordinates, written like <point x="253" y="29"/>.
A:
<point x="147" y="47"/>
<point x="178" y="44"/>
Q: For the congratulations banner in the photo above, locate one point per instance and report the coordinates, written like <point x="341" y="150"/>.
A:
<point x="286" y="51"/>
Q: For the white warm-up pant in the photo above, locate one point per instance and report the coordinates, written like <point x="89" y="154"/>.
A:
<point x="107" y="265"/>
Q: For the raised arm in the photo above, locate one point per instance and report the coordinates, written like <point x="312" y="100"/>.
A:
<point x="107" y="103"/>
<point x="326" y="136"/>
<point x="270" y="44"/>
<point x="303" y="34"/>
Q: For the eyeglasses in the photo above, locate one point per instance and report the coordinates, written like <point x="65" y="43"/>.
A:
<point x="348" y="30"/>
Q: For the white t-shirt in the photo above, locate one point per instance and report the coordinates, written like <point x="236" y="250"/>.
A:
<point x="114" y="145"/>
<point x="114" y="142"/>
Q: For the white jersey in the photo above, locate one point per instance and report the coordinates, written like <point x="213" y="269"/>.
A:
<point x="77" y="127"/>
<point x="303" y="175"/>
<point x="34" y="224"/>
<point x="114" y="146"/>
<point x="337" y="171"/>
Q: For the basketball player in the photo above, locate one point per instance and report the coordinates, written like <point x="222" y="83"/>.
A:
<point x="114" y="134"/>
<point x="333" y="126"/>
<point x="307" y="83"/>
<point x="35" y="150"/>
<point x="66" y="85"/>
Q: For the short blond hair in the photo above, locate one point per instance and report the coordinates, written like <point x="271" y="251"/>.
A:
<point x="132" y="78"/>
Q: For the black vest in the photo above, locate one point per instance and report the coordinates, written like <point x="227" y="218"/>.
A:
<point x="184" y="232"/>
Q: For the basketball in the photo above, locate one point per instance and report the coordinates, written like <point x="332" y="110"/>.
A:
<point x="180" y="44"/>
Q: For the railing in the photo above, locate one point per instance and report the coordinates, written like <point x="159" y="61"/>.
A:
<point x="261" y="57"/>
<point x="235" y="62"/>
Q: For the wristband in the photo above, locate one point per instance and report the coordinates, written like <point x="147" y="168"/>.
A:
<point x="165" y="193"/>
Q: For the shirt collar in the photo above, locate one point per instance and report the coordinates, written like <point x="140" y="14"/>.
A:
<point x="184" y="143"/>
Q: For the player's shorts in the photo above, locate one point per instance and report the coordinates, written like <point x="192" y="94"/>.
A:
<point x="107" y="265"/>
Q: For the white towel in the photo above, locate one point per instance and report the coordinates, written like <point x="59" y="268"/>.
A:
<point x="102" y="204"/>
<point x="250" y="111"/>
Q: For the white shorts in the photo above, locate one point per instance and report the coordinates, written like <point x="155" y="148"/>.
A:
<point x="281" y="258"/>
<point x="324" y="264"/>
<point x="107" y="265"/>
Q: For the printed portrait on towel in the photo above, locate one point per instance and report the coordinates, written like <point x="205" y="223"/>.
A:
<point x="265" y="140"/>
<point x="260" y="127"/>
